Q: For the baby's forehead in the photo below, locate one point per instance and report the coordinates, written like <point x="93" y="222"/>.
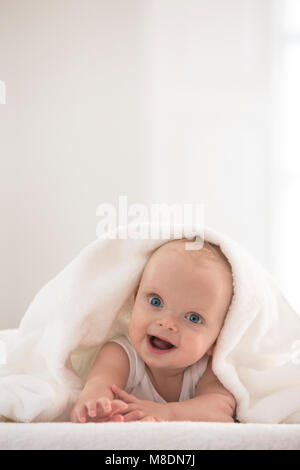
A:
<point x="174" y="254"/>
<point x="208" y="252"/>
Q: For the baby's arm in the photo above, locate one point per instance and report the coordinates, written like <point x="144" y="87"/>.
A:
<point x="212" y="402"/>
<point x="96" y="400"/>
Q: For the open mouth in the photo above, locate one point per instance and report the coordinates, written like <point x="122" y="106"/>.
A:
<point x="160" y="344"/>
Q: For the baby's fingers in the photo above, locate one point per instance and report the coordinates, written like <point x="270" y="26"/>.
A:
<point x="117" y="418"/>
<point x="149" y="418"/>
<point x="91" y="407"/>
<point x="98" y="408"/>
<point x="118" y="406"/>
<point x="78" y="414"/>
<point x="104" y="406"/>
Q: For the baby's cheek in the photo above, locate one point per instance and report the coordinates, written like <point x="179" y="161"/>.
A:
<point x="137" y="326"/>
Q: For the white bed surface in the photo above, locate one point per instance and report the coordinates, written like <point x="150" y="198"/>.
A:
<point x="185" y="435"/>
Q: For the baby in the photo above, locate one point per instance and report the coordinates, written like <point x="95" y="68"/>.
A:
<point x="179" y="310"/>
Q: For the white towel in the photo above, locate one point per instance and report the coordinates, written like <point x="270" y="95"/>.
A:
<point x="90" y="301"/>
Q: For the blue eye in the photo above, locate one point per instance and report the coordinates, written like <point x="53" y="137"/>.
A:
<point x="195" y="318"/>
<point x="155" y="301"/>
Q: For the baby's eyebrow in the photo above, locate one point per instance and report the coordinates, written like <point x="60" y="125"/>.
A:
<point x="152" y="290"/>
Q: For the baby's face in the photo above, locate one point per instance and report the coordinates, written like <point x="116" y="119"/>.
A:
<point x="182" y="299"/>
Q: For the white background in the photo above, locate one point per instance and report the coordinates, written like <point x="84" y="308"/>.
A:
<point x="170" y="101"/>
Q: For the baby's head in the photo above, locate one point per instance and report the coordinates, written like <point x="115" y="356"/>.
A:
<point x="183" y="296"/>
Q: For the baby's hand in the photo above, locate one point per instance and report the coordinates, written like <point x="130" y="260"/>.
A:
<point x="97" y="410"/>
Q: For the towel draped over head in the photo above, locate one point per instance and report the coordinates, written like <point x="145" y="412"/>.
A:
<point x="90" y="301"/>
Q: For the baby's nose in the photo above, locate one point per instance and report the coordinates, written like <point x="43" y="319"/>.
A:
<point x="167" y="323"/>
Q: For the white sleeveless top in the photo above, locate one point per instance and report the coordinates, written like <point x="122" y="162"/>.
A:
<point x="139" y="383"/>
